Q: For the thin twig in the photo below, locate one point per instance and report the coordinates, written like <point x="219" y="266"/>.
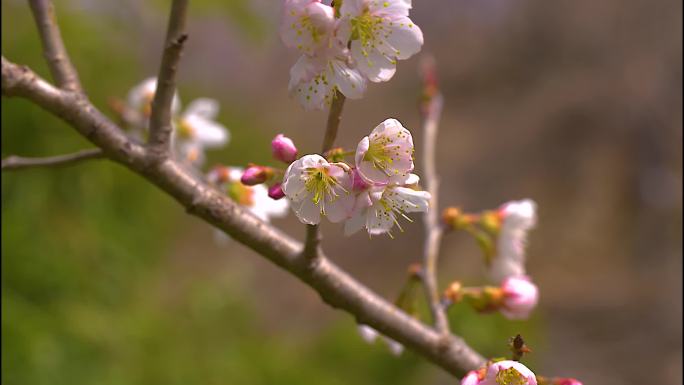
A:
<point x="313" y="238"/>
<point x="432" y="109"/>
<point x="335" y="286"/>
<point x="61" y="68"/>
<point x="14" y="162"/>
<point x="160" y="118"/>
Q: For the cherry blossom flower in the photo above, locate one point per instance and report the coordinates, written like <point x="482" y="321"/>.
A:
<point x="508" y="373"/>
<point x="520" y="297"/>
<point x="283" y="149"/>
<point x="316" y="187"/>
<point x="471" y="378"/>
<point x="381" y="33"/>
<point x="315" y="79"/>
<point x="386" y="155"/>
<point x="197" y="130"/>
<point x="517" y="217"/>
<point x="140" y="100"/>
<point x="307" y="25"/>
<point x="377" y="209"/>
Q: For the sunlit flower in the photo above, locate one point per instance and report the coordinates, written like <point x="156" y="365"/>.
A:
<point x="196" y="130"/>
<point x="517" y="218"/>
<point x="140" y="100"/>
<point x="508" y="373"/>
<point x="314" y="79"/>
<point x="381" y="33"/>
<point x="378" y="209"/>
<point x="316" y="187"/>
<point x="520" y="296"/>
<point x="307" y="25"/>
<point x="386" y="155"/>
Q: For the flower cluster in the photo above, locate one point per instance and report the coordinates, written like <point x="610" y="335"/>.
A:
<point x="372" y="194"/>
<point x="194" y="129"/>
<point x="345" y="47"/>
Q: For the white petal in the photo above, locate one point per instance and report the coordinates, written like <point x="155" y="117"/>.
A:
<point x="207" y="132"/>
<point x="394" y="8"/>
<point x="307" y="212"/>
<point x="412" y="200"/>
<point x="355" y="223"/>
<point x="203" y="107"/>
<point x="349" y="81"/>
<point x="405" y="38"/>
<point x="379" y="220"/>
<point x="372" y="63"/>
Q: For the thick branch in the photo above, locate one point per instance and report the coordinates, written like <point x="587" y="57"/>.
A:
<point x="63" y="72"/>
<point x="335" y="286"/>
<point x="160" y="118"/>
<point x="313" y="237"/>
<point x="14" y="162"/>
<point x="432" y="109"/>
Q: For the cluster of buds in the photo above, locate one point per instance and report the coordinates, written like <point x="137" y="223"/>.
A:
<point x="254" y="198"/>
<point x="515" y="298"/>
<point x="372" y="194"/>
<point x="283" y="149"/>
<point x="195" y="129"/>
<point x="345" y="46"/>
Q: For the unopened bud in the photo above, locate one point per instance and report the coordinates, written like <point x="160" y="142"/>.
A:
<point x="453" y="292"/>
<point x="520" y="296"/>
<point x="566" y="381"/>
<point x="276" y="191"/>
<point x="255" y="175"/>
<point x="284" y="149"/>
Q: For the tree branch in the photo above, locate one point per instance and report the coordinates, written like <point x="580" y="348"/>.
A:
<point x="14" y="162"/>
<point x="335" y="286"/>
<point x="160" y="118"/>
<point x="313" y="237"/>
<point x="431" y="111"/>
<point x="61" y="68"/>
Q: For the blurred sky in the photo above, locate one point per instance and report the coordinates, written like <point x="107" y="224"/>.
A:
<point x="576" y="104"/>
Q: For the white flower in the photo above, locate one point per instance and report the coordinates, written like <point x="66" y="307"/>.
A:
<point x="509" y="373"/>
<point x="518" y="217"/>
<point x="197" y="130"/>
<point x="140" y="100"/>
<point x="380" y="34"/>
<point x="316" y="187"/>
<point x="386" y="155"/>
<point x="378" y="208"/>
<point x="314" y="79"/>
<point x="307" y="25"/>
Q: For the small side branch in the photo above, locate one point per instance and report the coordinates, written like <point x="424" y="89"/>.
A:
<point x="61" y="68"/>
<point x="14" y="162"/>
<point x="160" y="118"/>
<point x="431" y="111"/>
<point x="313" y="238"/>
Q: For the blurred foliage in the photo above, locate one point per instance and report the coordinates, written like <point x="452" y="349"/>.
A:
<point x="89" y="295"/>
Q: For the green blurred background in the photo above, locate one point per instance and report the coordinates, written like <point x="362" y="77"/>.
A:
<point x="576" y="104"/>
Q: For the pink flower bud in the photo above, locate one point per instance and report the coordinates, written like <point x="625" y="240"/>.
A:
<point x="276" y="191"/>
<point x="255" y="175"/>
<point x="509" y="372"/>
<point x="566" y="381"/>
<point x="283" y="149"/>
<point x="520" y="297"/>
